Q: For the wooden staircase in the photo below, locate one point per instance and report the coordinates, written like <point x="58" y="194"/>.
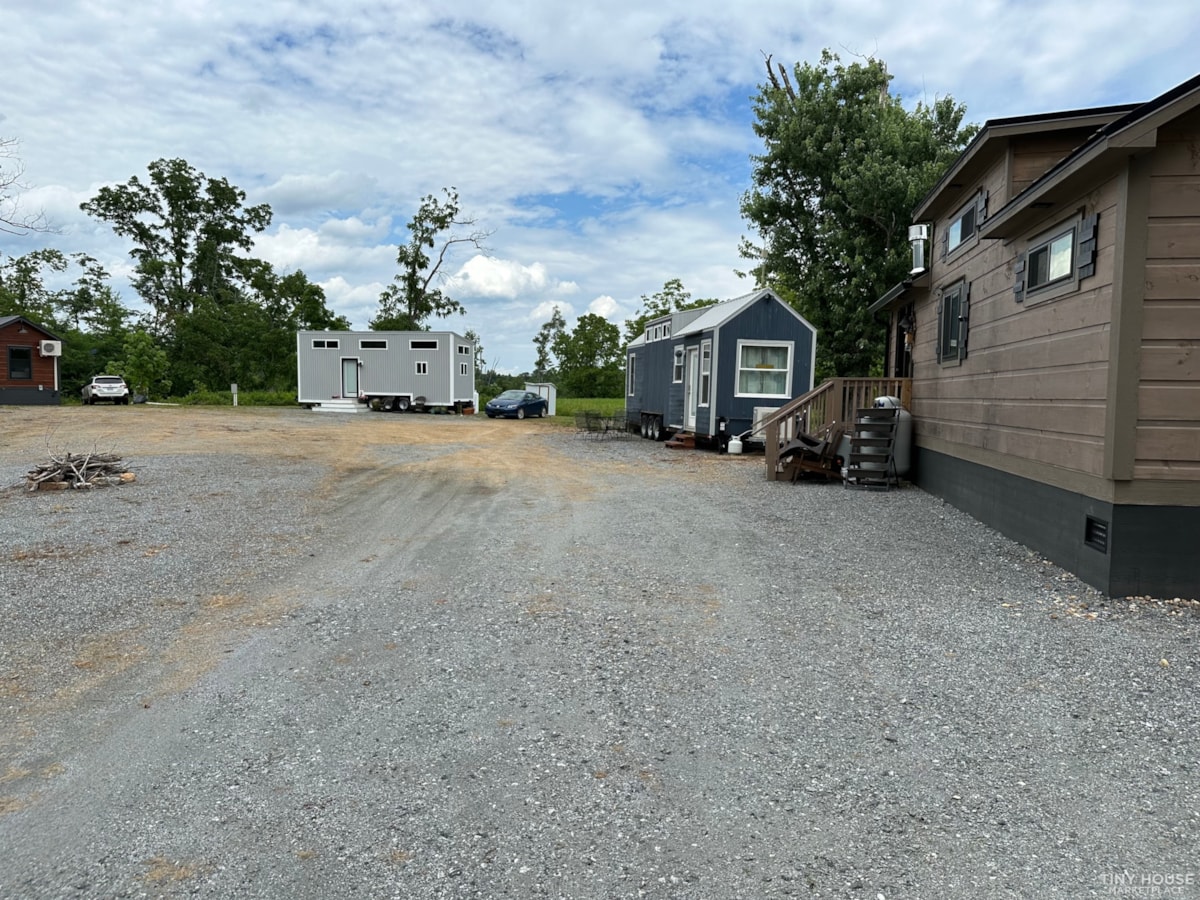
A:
<point x="871" y="464"/>
<point x="684" y="440"/>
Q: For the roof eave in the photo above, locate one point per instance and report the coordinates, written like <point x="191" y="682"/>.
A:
<point x="916" y="279"/>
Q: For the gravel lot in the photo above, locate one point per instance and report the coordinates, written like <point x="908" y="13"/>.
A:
<point x="441" y="657"/>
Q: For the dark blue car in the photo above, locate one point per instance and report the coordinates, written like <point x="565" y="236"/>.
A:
<point x="517" y="405"/>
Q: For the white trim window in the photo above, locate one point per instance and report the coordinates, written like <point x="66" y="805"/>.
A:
<point x="764" y="369"/>
<point x="464" y="349"/>
<point x="372" y="344"/>
<point x="677" y="368"/>
<point x="422" y="367"/>
<point x="631" y="375"/>
<point x="325" y="343"/>
<point x="462" y="369"/>
<point x="705" y="373"/>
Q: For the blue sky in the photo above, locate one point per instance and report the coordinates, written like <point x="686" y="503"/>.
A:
<point x="605" y="149"/>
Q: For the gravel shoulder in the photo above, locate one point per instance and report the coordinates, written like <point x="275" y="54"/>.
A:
<point x="308" y="656"/>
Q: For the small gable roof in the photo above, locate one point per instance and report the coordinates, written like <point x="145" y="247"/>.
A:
<point x="713" y="317"/>
<point x="1115" y="141"/>
<point x="5" y="321"/>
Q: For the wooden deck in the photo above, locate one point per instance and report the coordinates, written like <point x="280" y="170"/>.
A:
<point x="827" y="406"/>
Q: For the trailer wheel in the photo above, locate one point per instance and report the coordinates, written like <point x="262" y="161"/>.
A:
<point x="402" y="404"/>
<point x="655" y="428"/>
<point x="644" y="428"/>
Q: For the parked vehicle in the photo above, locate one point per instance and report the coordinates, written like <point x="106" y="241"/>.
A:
<point x="106" y="387"/>
<point x="517" y="404"/>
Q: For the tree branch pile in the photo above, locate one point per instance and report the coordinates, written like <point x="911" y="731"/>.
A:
<point x="85" y="471"/>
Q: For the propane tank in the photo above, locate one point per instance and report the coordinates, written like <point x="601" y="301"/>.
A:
<point x="735" y="445"/>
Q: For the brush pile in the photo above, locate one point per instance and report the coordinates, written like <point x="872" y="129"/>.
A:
<point x="89" y="470"/>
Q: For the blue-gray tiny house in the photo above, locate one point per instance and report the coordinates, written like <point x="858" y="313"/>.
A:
<point x="720" y="369"/>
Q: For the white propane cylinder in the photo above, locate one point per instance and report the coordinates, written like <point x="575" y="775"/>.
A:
<point x="735" y="445"/>
<point x="902" y="455"/>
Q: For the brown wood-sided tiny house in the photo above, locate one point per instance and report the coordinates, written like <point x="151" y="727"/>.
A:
<point x="28" y="363"/>
<point x="1051" y="328"/>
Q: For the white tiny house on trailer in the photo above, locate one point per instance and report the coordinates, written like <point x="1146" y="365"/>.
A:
<point x="387" y="370"/>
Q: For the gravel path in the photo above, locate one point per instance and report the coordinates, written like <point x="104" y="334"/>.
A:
<point x="625" y="672"/>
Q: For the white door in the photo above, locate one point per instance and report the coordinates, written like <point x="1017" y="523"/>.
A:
<point x="691" y="377"/>
<point x="350" y="378"/>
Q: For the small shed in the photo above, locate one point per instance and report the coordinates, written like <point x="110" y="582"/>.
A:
<point x="719" y="369"/>
<point x="547" y="390"/>
<point x="29" y="357"/>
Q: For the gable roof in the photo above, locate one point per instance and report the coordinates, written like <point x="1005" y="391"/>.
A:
<point x="714" y="317"/>
<point x="5" y="321"/>
<point x="1111" y="145"/>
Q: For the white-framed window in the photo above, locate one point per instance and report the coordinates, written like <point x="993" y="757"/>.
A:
<point x="462" y="369"/>
<point x="953" y="318"/>
<point x="372" y="344"/>
<point x="422" y="367"/>
<point x="677" y="368"/>
<point x="464" y="349"/>
<point x="764" y="369"/>
<point x="666" y="330"/>
<point x="325" y="343"/>
<point x="422" y="344"/>
<point x="631" y="375"/>
<point x="705" y="373"/>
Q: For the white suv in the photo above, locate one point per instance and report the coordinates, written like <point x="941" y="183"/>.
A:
<point x="106" y="387"/>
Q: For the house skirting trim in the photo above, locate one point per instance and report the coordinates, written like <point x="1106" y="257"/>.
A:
<point x="18" y="396"/>
<point x="1122" y="549"/>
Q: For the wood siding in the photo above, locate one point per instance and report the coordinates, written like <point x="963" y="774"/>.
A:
<point x="1167" y="444"/>
<point x="1034" y="382"/>
<point x="23" y="335"/>
<point x="1030" y="157"/>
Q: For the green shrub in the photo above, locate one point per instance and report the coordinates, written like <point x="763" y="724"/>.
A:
<point x="245" y="398"/>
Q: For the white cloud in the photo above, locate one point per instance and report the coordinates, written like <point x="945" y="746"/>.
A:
<point x="487" y="276"/>
<point x="605" y="307"/>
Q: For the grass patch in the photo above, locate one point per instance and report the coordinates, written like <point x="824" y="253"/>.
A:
<point x="606" y="406"/>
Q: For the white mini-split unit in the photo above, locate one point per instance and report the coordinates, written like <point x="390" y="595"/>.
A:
<point x="50" y="348"/>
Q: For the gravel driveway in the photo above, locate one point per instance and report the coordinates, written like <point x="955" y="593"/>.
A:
<point x="437" y="657"/>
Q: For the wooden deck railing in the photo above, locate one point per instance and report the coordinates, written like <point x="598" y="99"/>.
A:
<point x="832" y="402"/>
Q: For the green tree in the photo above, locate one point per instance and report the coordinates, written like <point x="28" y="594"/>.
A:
<point x="190" y="234"/>
<point x="143" y="364"/>
<point x="844" y="166"/>
<point x="672" y="298"/>
<point x="413" y="298"/>
<point x="589" y="358"/>
<point x="544" y="365"/>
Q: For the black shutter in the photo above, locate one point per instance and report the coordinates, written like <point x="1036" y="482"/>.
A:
<point x="964" y="316"/>
<point x="1019" y="283"/>
<point x="944" y="242"/>
<point x="981" y="208"/>
<point x="1087" y="246"/>
<point x="941" y="330"/>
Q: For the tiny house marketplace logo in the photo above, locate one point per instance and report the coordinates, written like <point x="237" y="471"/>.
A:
<point x="1150" y="884"/>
